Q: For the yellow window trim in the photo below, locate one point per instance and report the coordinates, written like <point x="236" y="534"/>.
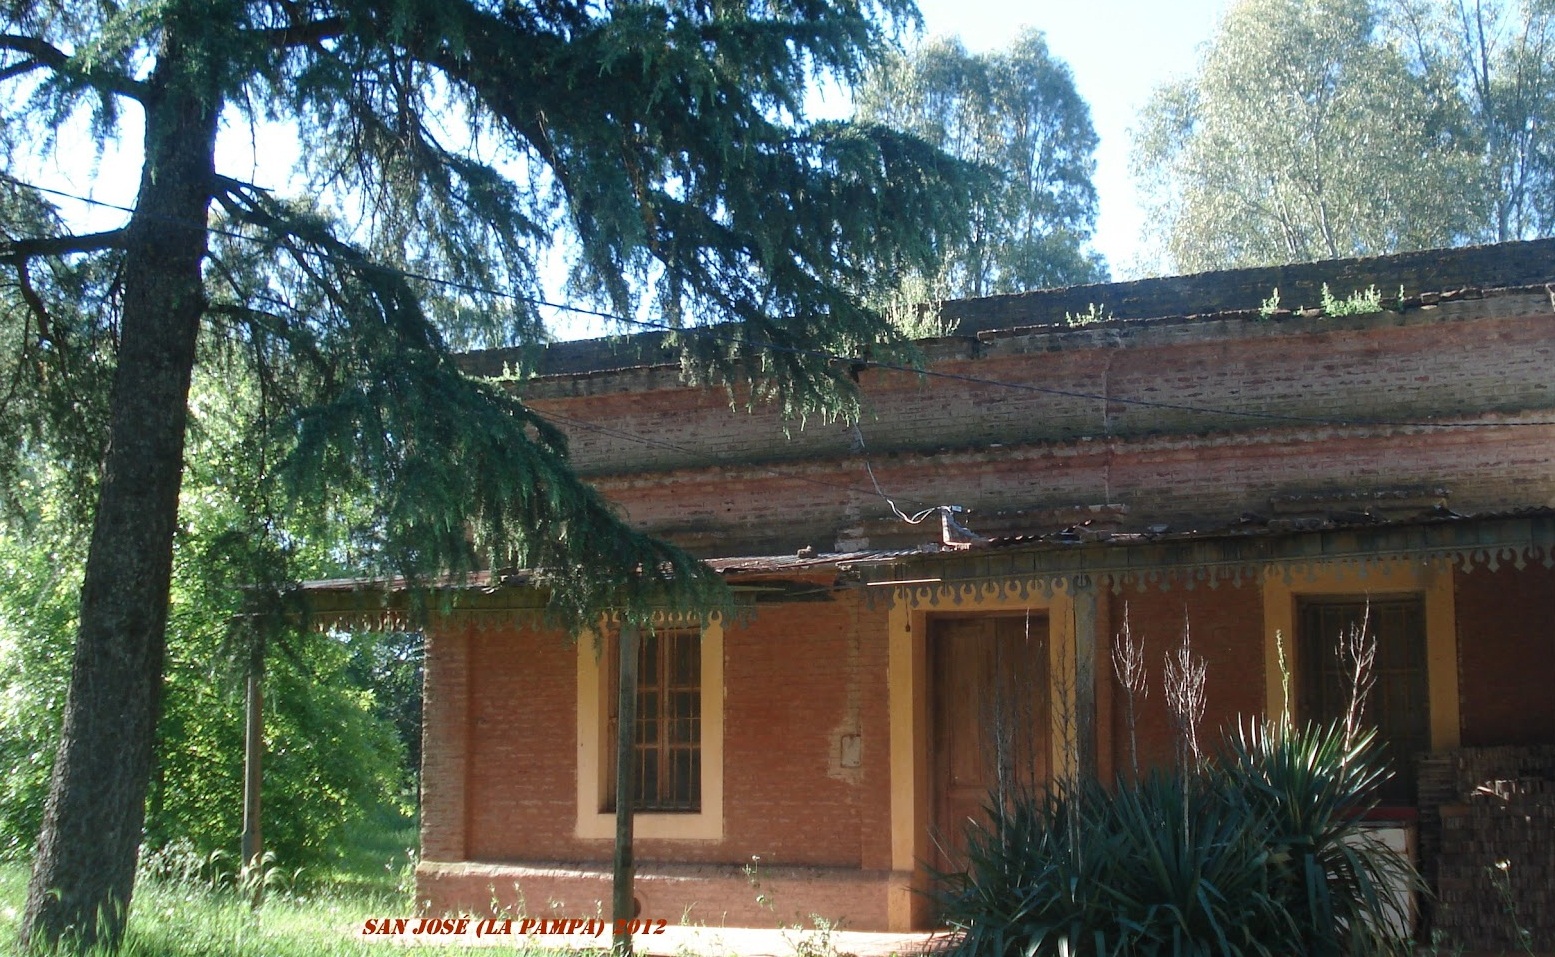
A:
<point x="1433" y="580"/>
<point x="593" y="729"/>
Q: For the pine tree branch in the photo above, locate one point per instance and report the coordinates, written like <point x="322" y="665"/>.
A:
<point x="43" y="53"/>
<point x="263" y="322"/>
<point x="38" y="308"/>
<point x="237" y="189"/>
<point x="19" y="69"/>
<point x="19" y="251"/>
<point x="303" y="33"/>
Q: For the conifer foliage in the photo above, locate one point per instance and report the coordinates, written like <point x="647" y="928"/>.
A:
<point x="448" y="147"/>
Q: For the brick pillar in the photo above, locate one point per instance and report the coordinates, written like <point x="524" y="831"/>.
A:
<point x="445" y="741"/>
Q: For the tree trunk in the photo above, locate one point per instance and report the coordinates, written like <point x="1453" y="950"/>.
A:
<point x="85" y="866"/>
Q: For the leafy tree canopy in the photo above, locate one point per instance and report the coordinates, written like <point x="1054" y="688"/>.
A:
<point x="332" y="709"/>
<point x="1496" y="58"/>
<point x="1304" y="135"/>
<point x="1017" y="115"/>
<point x="447" y="146"/>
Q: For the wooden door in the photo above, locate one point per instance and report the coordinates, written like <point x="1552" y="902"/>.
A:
<point x="989" y="720"/>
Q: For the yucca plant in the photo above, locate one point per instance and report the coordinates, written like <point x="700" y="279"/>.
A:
<point x="1314" y="785"/>
<point x="1034" y="874"/>
<point x="1191" y="875"/>
<point x="1115" y="873"/>
<point x="1260" y="851"/>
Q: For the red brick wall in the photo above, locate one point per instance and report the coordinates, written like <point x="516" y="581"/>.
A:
<point x="1506" y="655"/>
<point x="523" y="746"/>
<point x="1491" y="354"/>
<point x="1185" y="483"/>
<point x="798" y="677"/>
<point x="722" y="481"/>
<point x="445" y="743"/>
<point x="1227" y="632"/>
<point x="501" y="773"/>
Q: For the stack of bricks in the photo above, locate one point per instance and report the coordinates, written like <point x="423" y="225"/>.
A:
<point x="1495" y="874"/>
<point x="1437" y="787"/>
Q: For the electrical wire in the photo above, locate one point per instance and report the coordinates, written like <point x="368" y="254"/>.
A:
<point x="912" y="520"/>
<point x="712" y="334"/>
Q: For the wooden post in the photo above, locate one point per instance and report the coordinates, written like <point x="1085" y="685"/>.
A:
<point x="253" y="749"/>
<point x="623" y="903"/>
<point x="1085" y="639"/>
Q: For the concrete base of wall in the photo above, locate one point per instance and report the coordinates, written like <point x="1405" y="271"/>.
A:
<point x="707" y="895"/>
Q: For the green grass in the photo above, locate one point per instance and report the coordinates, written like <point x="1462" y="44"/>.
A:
<point x="176" y="920"/>
<point x="377" y="856"/>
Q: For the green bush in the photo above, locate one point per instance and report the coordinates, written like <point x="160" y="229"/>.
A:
<point x="1260" y="852"/>
<point x="39" y="583"/>
<point x="336" y="706"/>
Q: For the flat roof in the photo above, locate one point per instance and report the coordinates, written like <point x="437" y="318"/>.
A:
<point x="1426" y="277"/>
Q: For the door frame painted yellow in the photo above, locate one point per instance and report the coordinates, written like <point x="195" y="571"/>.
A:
<point x="907" y="683"/>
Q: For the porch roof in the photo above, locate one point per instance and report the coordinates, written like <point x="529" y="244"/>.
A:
<point x="1238" y="552"/>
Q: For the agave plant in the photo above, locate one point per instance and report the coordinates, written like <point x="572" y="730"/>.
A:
<point x="1262" y="851"/>
<point x="1192" y="873"/>
<point x="1334" y="877"/>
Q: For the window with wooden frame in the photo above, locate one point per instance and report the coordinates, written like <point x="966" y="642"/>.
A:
<point x="1398" y="705"/>
<point x="669" y="723"/>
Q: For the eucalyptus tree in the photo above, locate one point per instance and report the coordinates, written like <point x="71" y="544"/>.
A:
<point x="1497" y="59"/>
<point x="1300" y="136"/>
<point x="1016" y="113"/>
<point x="443" y="144"/>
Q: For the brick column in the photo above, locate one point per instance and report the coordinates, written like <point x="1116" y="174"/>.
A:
<point x="445" y="741"/>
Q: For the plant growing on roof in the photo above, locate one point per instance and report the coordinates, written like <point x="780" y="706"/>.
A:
<point x="1093" y="313"/>
<point x="1271" y="306"/>
<point x="1358" y="303"/>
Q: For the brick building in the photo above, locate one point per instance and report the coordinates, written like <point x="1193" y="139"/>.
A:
<point x="1267" y="478"/>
